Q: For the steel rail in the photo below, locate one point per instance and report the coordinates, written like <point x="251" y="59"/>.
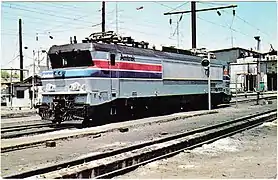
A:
<point x="232" y="102"/>
<point x="30" y="133"/>
<point x="254" y="94"/>
<point x="20" y="134"/>
<point x="269" y="97"/>
<point x="23" y="127"/>
<point x="79" y="161"/>
<point x="170" y="154"/>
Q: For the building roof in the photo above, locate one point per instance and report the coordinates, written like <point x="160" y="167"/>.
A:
<point x="28" y="81"/>
<point x="273" y="52"/>
<point x="235" y="48"/>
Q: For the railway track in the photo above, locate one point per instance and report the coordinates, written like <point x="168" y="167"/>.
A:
<point x="23" y="127"/>
<point x="234" y="101"/>
<point x="120" y="161"/>
<point x="262" y="97"/>
<point x="40" y="128"/>
<point x="31" y="129"/>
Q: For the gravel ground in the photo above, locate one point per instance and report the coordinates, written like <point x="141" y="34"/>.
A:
<point x="250" y="154"/>
<point x="31" y="158"/>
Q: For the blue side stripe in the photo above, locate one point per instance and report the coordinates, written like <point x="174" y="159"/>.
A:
<point x="106" y="74"/>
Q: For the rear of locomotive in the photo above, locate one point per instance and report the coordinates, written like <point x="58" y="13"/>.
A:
<point x="66" y="92"/>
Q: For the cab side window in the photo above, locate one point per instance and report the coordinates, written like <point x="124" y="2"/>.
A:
<point x="100" y="55"/>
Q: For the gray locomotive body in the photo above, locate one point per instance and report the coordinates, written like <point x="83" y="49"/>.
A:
<point x="85" y="84"/>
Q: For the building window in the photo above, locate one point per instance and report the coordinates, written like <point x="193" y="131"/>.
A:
<point x="19" y="94"/>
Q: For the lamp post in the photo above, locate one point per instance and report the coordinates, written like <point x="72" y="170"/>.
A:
<point x="236" y="88"/>
<point x="258" y="68"/>
<point x="206" y="64"/>
<point x="209" y="91"/>
<point x="11" y="89"/>
<point x="43" y="51"/>
<point x="33" y="81"/>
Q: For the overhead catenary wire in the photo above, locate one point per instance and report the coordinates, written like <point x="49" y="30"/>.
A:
<point x="179" y="6"/>
<point x="44" y="7"/>
<point x="45" y="31"/>
<point x="35" y="19"/>
<point x="43" y="13"/>
<point x="11" y="60"/>
<point x="68" y="9"/>
<point x="237" y="16"/>
<point x="225" y="27"/>
<point x="29" y="5"/>
<point x="67" y="6"/>
<point x="169" y="7"/>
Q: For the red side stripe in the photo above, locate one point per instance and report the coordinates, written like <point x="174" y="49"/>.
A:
<point x="129" y="66"/>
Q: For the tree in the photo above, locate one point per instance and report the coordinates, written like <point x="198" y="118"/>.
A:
<point x="5" y="75"/>
<point x="15" y="76"/>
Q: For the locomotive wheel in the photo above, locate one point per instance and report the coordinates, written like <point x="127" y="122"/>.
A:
<point x="87" y="123"/>
<point x="57" y="122"/>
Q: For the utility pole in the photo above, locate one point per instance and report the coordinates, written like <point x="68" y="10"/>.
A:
<point x="232" y="38"/>
<point x="258" y="68"/>
<point x="178" y="33"/>
<point x="33" y="81"/>
<point x="38" y="59"/>
<point x="20" y="51"/>
<point x="193" y="17"/>
<point x="117" y="30"/>
<point x="193" y="23"/>
<point x="103" y="17"/>
<point x="209" y="88"/>
<point x="11" y="88"/>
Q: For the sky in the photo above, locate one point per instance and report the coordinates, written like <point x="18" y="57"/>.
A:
<point x="64" y="19"/>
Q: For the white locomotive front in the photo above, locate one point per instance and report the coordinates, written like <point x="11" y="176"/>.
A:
<point x="95" y="81"/>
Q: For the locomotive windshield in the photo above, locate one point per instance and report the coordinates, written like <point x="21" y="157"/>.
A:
<point x="71" y="59"/>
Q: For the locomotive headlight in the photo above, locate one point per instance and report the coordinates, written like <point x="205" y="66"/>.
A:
<point x="83" y="87"/>
<point x="71" y="87"/>
<point x="50" y="87"/>
<point x="74" y="86"/>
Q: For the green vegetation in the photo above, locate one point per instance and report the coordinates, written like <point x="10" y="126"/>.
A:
<point x="6" y="75"/>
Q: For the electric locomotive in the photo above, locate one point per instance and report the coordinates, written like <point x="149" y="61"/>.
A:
<point x="107" y="76"/>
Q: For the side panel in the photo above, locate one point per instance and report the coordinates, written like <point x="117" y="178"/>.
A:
<point x="181" y="70"/>
<point x="143" y="88"/>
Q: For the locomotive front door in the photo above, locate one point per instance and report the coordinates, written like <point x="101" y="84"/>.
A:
<point x="114" y="75"/>
<point x="114" y="81"/>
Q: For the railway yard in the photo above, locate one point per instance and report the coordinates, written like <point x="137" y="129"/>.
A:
<point x="119" y="93"/>
<point x="226" y="142"/>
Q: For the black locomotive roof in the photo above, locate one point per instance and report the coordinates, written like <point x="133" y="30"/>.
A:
<point x="127" y="50"/>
